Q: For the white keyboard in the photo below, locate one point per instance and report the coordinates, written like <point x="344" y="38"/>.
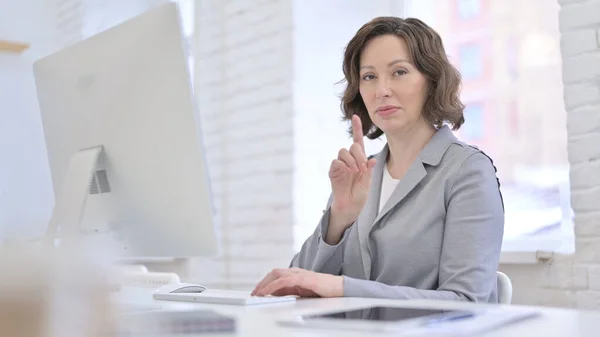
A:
<point x="232" y="297"/>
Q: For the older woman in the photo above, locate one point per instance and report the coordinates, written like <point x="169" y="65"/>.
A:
<point x="424" y="218"/>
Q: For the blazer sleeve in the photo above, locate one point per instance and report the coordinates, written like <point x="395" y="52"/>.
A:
<point x="471" y="245"/>
<point x="316" y="255"/>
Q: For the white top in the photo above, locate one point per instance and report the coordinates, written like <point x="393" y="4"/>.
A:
<point x="388" y="184"/>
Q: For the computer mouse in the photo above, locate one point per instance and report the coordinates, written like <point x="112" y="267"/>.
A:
<point x="188" y="288"/>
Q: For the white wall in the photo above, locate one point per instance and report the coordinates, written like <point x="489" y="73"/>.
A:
<point x="100" y="15"/>
<point x="243" y="81"/>
<point x="574" y="281"/>
<point x="26" y="195"/>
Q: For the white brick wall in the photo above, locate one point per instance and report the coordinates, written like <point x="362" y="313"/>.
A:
<point x="578" y="14"/>
<point x="580" y="26"/>
<point x="99" y="15"/>
<point x="68" y="15"/>
<point x="243" y="80"/>
<point x="574" y="281"/>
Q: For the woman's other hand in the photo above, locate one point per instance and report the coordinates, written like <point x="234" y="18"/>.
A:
<point x="299" y="282"/>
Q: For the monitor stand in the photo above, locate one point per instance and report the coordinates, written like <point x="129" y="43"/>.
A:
<point x="65" y="222"/>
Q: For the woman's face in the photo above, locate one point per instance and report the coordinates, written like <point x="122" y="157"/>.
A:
<point x="391" y="87"/>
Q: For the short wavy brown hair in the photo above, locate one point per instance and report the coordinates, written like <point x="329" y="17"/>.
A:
<point x="442" y="104"/>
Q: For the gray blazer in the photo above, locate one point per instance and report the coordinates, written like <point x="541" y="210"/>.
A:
<point x="438" y="236"/>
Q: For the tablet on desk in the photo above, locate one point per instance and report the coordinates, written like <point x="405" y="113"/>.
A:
<point x="414" y="321"/>
<point x="391" y="314"/>
<point x="381" y="318"/>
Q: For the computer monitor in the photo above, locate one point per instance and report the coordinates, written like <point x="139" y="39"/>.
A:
<point x="124" y="142"/>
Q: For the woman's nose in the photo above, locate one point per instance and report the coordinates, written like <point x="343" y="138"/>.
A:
<point x="383" y="89"/>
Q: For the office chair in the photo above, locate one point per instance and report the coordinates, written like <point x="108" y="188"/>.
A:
<point x="504" y="288"/>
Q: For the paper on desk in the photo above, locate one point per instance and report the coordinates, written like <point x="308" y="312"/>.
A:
<point x="484" y="321"/>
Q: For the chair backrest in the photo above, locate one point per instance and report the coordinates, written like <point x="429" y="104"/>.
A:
<point x="504" y="288"/>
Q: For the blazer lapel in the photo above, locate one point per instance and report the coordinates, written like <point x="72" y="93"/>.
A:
<point x="369" y="212"/>
<point x="430" y="155"/>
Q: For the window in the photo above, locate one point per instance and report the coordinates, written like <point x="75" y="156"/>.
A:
<point x="512" y="60"/>
<point x="513" y="119"/>
<point x="474" y="128"/>
<point x="468" y="9"/>
<point x="502" y="116"/>
<point x="471" y="63"/>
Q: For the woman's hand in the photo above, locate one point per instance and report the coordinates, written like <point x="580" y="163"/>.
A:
<point x="299" y="282"/>
<point x="350" y="176"/>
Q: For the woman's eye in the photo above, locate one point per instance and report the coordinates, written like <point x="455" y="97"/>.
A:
<point x="400" y="72"/>
<point x="368" y="77"/>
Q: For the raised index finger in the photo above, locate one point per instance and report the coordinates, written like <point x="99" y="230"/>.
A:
<point x="357" y="133"/>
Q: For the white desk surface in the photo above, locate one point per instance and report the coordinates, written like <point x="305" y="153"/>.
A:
<point x="260" y="320"/>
